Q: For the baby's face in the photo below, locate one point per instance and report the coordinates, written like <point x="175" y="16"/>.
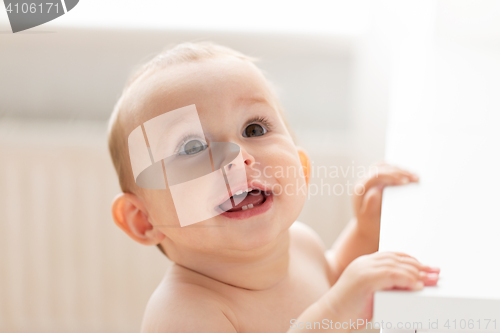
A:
<point x="234" y="104"/>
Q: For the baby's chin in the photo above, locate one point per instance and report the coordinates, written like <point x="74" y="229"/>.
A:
<point x="259" y="233"/>
<point x="218" y="237"/>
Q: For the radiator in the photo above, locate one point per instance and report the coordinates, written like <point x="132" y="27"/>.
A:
<point x="64" y="265"/>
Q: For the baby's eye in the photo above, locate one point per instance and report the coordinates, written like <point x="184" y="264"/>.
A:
<point x="254" y="130"/>
<point x="192" y="147"/>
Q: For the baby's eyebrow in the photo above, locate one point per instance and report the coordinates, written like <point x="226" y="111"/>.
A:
<point x="252" y="99"/>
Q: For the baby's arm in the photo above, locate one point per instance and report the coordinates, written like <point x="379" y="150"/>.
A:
<point x="350" y="300"/>
<point x="361" y="235"/>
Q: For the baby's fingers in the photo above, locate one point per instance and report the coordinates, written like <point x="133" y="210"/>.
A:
<point x="429" y="279"/>
<point x="399" y="278"/>
<point x="386" y="168"/>
<point x="406" y="258"/>
<point x="431" y="269"/>
<point x="429" y="275"/>
<point x="389" y="178"/>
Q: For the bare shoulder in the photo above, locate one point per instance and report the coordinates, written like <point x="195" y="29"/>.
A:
<point x="183" y="307"/>
<point x="306" y="239"/>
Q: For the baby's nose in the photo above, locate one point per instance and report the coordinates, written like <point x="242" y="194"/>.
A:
<point x="231" y="163"/>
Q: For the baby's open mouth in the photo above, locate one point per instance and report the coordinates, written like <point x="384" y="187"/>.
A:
<point x="252" y="198"/>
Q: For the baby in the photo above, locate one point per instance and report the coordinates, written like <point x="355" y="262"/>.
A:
<point x="251" y="268"/>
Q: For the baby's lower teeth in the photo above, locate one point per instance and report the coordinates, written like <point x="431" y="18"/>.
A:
<point x="247" y="207"/>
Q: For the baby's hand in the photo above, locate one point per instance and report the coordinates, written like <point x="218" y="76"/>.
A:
<point x="367" y="197"/>
<point x="352" y="296"/>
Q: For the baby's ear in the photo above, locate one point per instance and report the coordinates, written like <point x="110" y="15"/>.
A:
<point x="130" y="215"/>
<point x="306" y="163"/>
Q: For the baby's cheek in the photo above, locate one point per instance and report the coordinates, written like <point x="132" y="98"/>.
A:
<point x="292" y="200"/>
<point x="292" y="184"/>
<point x="161" y="207"/>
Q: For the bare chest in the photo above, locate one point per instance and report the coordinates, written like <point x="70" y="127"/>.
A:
<point x="272" y="310"/>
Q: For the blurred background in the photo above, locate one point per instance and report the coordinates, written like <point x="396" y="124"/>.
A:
<point x="64" y="265"/>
